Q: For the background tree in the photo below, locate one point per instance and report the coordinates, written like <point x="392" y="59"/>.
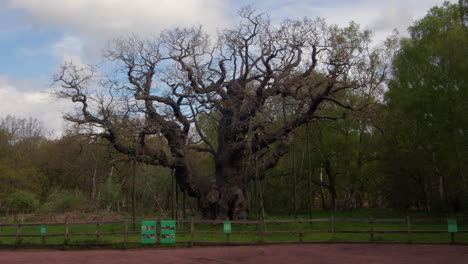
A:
<point x="21" y="180"/>
<point x="426" y="123"/>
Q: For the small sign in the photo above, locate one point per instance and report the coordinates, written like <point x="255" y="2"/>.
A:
<point x="148" y="232"/>
<point x="452" y="226"/>
<point x="227" y="227"/>
<point x="43" y="230"/>
<point x="168" y="231"/>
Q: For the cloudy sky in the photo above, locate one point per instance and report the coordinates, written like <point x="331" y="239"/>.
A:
<point x="38" y="35"/>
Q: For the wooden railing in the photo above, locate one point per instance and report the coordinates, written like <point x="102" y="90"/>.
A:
<point x="260" y="231"/>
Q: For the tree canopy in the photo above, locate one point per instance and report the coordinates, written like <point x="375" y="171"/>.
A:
<point x="427" y="106"/>
<point x="242" y="79"/>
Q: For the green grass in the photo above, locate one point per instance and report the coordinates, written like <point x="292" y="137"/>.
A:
<point x="311" y="237"/>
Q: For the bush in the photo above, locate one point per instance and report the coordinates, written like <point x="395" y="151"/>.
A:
<point x="110" y="193"/>
<point x="23" y="201"/>
<point x="60" y="201"/>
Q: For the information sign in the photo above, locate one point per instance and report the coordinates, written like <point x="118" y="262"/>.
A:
<point x="168" y="231"/>
<point x="227" y="227"/>
<point x="43" y="230"/>
<point x="452" y="226"/>
<point x="148" y="232"/>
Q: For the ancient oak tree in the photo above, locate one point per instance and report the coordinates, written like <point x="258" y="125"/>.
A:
<point x="164" y="90"/>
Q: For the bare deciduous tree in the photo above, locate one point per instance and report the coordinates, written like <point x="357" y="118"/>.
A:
<point x="152" y="107"/>
<point x="19" y="128"/>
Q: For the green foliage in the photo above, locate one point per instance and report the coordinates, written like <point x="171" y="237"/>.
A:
<point x="61" y="201"/>
<point x="425" y="148"/>
<point x="154" y="189"/>
<point x="23" y="201"/>
<point x="110" y="192"/>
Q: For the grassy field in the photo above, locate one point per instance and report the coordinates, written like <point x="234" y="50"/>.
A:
<point x="311" y="237"/>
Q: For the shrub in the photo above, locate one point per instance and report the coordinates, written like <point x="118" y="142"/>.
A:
<point x="61" y="201"/>
<point x="110" y="193"/>
<point x="23" y="201"/>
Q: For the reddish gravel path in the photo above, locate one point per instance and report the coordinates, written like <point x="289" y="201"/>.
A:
<point x="291" y="254"/>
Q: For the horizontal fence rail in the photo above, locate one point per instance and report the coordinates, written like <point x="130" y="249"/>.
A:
<point x="260" y="232"/>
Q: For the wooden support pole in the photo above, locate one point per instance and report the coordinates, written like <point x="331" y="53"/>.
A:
<point x="309" y="173"/>
<point x="184" y="199"/>
<point x="176" y="191"/>
<point x="295" y="180"/>
<point x="98" y="230"/>
<point x="410" y="235"/>
<point x="158" y="232"/>
<point x="452" y="238"/>
<point x="227" y="238"/>
<point x="126" y="233"/>
<point x="261" y="224"/>
<point x="65" y="233"/>
<point x="371" y="223"/>
<point x="133" y="194"/>
<point x="332" y="220"/>
<point x="172" y="195"/>
<point x="43" y="238"/>
<point x="300" y="231"/>
<point x="192" y="232"/>
<point x="18" y="233"/>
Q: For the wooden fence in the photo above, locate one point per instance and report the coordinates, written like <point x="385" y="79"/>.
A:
<point x="261" y="232"/>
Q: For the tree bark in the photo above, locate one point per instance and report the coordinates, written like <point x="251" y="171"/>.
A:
<point x="332" y="184"/>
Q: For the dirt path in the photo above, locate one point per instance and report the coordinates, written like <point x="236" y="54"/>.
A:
<point x="291" y="254"/>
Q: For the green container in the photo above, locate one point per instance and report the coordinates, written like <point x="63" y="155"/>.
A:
<point x="227" y="227"/>
<point x="43" y="230"/>
<point x="168" y="231"/>
<point x="452" y="226"/>
<point x="148" y="232"/>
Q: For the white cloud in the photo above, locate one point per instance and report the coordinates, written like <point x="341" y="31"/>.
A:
<point x="17" y="100"/>
<point x="399" y="14"/>
<point x="88" y="24"/>
<point x="67" y="45"/>
<point x="111" y="17"/>
<point x="382" y="17"/>
<point x="70" y="49"/>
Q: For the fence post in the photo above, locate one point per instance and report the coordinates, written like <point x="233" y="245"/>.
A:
<point x="332" y="220"/>
<point x="98" y="230"/>
<point x="452" y="238"/>
<point x="65" y="233"/>
<point x="18" y="233"/>
<point x="43" y="240"/>
<point x="371" y="223"/>
<point x="192" y="232"/>
<point x="300" y="230"/>
<point x="261" y="225"/>
<point x="158" y="232"/>
<point x="126" y="233"/>
<point x="410" y="236"/>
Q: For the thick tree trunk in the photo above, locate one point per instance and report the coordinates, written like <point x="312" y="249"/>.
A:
<point x="232" y="203"/>
<point x="231" y="181"/>
<point x="223" y="199"/>
<point x="223" y="203"/>
<point x="332" y="184"/>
